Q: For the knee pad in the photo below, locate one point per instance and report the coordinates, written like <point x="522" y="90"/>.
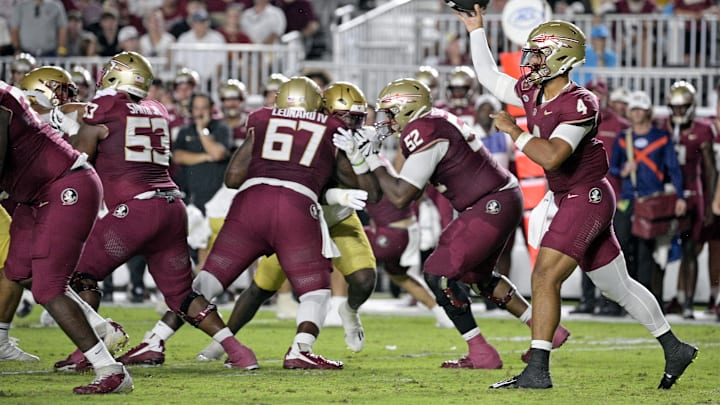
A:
<point x="195" y="320"/>
<point x="313" y="307"/>
<point x="487" y="289"/>
<point x="207" y="285"/>
<point x="449" y="293"/>
<point x="80" y="282"/>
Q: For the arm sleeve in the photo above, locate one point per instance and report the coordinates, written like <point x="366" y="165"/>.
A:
<point x="419" y="166"/>
<point x="500" y="85"/>
<point x="571" y="134"/>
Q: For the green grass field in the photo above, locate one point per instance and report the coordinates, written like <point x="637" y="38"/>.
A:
<point x="601" y="363"/>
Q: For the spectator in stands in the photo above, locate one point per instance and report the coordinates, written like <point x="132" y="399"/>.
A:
<point x="184" y="25"/>
<point x="597" y="53"/>
<point x="300" y="16"/>
<point x="142" y="8"/>
<point x="639" y="36"/>
<point x="208" y="65"/>
<point x="129" y="39"/>
<point x="39" y="27"/>
<point x="231" y="29"/>
<point x="106" y="32"/>
<point x="156" y="41"/>
<point x="263" y="23"/>
<point x="456" y="52"/>
<point x="75" y="33"/>
<point x="172" y="14"/>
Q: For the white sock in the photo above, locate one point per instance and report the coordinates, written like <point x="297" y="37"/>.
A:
<point x="527" y="315"/>
<point x="94" y="319"/>
<point x="541" y="344"/>
<point x="471" y="334"/>
<point x="4" y="331"/>
<point x="161" y="331"/>
<point x="222" y="334"/>
<point x="615" y="283"/>
<point x="99" y="356"/>
<point x="313" y="307"/>
<point x="303" y="342"/>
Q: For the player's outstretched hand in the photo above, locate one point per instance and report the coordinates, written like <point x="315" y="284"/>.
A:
<point x="472" y="21"/>
<point x="347" y="197"/>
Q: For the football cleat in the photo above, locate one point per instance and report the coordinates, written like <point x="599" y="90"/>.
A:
<point x="354" y="332"/>
<point x="531" y="377"/>
<point x="9" y="351"/>
<point x="115" y="337"/>
<point x="114" y="383"/>
<point x="675" y="364"/>
<point x="561" y="335"/>
<point x="213" y="351"/>
<point x="245" y="358"/>
<point x="144" y="354"/>
<point x="488" y="358"/>
<point x="309" y="360"/>
<point x="76" y="362"/>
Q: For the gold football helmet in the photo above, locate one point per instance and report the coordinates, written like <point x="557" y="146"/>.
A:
<point x="347" y="102"/>
<point x="48" y="86"/>
<point x="552" y="48"/>
<point x="129" y="72"/>
<point x="299" y="93"/>
<point x="81" y="76"/>
<point x="399" y="103"/>
<point x="461" y="86"/>
<point x="274" y="81"/>
<point x="682" y="102"/>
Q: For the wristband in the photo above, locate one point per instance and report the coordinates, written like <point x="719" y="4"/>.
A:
<point x="522" y="140"/>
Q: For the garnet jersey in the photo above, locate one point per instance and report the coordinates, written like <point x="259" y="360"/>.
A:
<point x="383" y="213"/>
<point x="467" y="171"/>
<point x="293" y="146"/>
<point x="573" y="106"/>
<point x="688" y="145"/>
<point x="134" y="158"/>
<point x="29" y="135"/>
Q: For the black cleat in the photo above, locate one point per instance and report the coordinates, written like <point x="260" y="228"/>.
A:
<point x="676" y="363"/>
<point x="531" y="377"/>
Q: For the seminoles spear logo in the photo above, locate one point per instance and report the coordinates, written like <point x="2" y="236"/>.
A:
<point x="544" y="40"/>
<point x="407" y="98"/>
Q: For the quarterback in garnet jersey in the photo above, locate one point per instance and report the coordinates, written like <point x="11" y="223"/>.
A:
<point x="56" y="190"/>
<point x="563" y="118"/>
<point x="129" y="141"/>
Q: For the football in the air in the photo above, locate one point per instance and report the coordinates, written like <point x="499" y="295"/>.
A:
<point x="466" y="6"/>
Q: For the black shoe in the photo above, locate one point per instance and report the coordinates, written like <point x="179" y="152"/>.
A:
<point x="531" y="377"/>
<point x="583" y="308"/>
<point x="137" y="295"/>
<point x="610" y="308"/>
<point x="675" y="364"/>
<point x="673" y="307"/>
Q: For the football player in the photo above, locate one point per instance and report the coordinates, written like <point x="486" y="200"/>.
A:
<point x="460" y="92"/>
<point x="356" y="263"/>
<point x="285" y="180"/>
<point x="128" y="139"/>
<point x="84" y="82"/>
<point x="693" y="139"/>
<point x="55" y="189"/>
<point x="22" y="64"/>
<point x="563" y="118"/>
<point x="233" y="94"/>
<point x="443" y="150"/>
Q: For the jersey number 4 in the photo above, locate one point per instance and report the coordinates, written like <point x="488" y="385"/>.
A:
<point x="279" y="140"/>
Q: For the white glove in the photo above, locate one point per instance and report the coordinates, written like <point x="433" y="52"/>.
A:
<point x="347" y="197"/>
<point x="345" y="140"/>
<point x="370" y="146"/>
<point x="62" y="123"/>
